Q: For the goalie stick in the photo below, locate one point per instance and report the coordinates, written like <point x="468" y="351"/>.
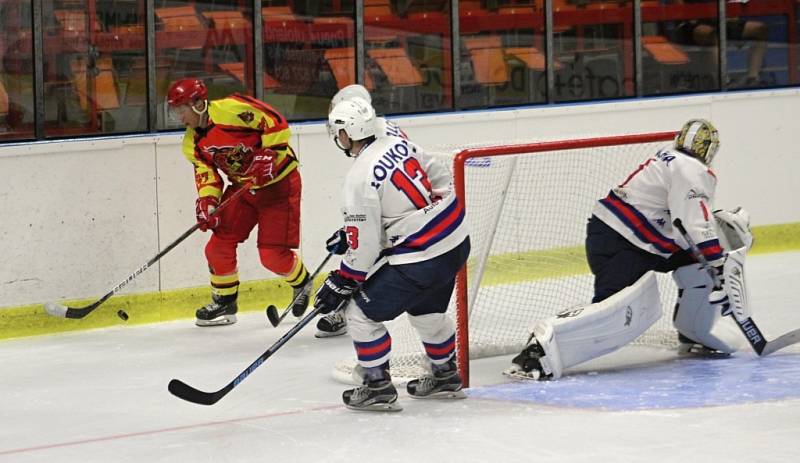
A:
<point x="272" y="311"/>
<point x="746" y="325"/>
<point x="58" y="310"/>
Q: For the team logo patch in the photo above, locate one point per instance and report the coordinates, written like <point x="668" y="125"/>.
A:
<point x="247" y="116"/>
<point x="628" y="316"/>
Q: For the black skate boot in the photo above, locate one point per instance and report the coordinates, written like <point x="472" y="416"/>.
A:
<point x="688" y="347"/>
<point x="221" y="311"/>
<point x="377" y="394"/>
<point x="444" y="383"/>
<point x="527" y="365"/>
<point x="333" y="324"/>
<point x="300" y="296"/>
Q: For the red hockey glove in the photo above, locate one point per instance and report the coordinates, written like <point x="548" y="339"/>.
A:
<point x="204" y="207"/>
<point x="261" y="169"/>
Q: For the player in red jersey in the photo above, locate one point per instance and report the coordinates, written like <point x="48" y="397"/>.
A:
<point x="247" y="141"/>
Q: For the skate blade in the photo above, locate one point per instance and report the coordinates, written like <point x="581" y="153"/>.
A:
<point x="516" y="373"/>
<point x="219" y="321"/>
<point x="381" y="407"/>
<point x="697" y="351"/>
<point x="442" y="395"/>
<point x="326" y="334"/>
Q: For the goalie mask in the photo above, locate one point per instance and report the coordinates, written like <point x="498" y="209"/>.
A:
<point x="698" y="138"/>
<point x="356" y="117"/>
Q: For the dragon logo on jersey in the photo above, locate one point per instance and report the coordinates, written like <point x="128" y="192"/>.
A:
<point x="246" y="116"/>
<point x="229" y="157"/>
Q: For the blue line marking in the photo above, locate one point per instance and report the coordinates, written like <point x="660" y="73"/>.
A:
<point x="679" y="383"/>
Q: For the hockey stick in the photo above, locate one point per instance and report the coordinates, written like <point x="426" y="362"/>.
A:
<point x="183" y="391"/>
<point x="746" y="325"/>
<point x="58" y="310"/>
<point x="272" y="311"/>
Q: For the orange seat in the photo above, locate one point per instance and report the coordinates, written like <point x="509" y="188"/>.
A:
<point x="74" y="21"/>
<point x="395" y="63"/>
<point x="180" y="19"/>
<point x="3" y="100"/>
<point x="531" y="56"/>
<point x="237" y="71"/>
<point x="374" y="9"/>
<point x="278" y="13"/>
<point x="343" y="65"/>
<point x="663" y="50"/>
<point x="105" y="88"/>
<point x="228" y="19"/>
<point x="488" y="59"/>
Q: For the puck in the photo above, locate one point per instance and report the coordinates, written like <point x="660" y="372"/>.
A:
<point x="121" y="313"/>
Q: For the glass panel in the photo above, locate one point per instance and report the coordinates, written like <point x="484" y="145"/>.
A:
<point x="680" y="51"/>
<point x="16" y="71"/>
<point x="502" y="53"/>
<point x="408" y="64"/>
<point x="593" y="49"/>
<point x="309" y="53"/>
<point x="94" y="70"/>
<point x="211" y="40"/>
<point x="758" y="43"/>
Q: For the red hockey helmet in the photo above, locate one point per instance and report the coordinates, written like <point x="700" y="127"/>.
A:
<point x="186" y="91"/>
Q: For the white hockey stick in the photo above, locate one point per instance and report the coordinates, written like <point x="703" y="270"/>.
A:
<point x="746" y="325"/>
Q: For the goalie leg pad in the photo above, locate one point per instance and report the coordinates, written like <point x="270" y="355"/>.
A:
<point x="696" y="319"/>
<point x="584" y="333"/>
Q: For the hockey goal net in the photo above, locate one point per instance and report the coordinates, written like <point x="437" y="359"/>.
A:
<point x="527" y="206"/>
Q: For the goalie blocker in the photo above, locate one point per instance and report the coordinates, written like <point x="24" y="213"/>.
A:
<point x="583" y="333"/>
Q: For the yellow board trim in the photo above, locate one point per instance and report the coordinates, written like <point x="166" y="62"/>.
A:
<point x="31" y="320"/>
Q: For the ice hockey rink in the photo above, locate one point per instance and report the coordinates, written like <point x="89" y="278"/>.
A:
<point x="101" y="396"/>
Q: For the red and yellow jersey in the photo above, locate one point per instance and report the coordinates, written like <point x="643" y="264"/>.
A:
<point x="238" y="127"/>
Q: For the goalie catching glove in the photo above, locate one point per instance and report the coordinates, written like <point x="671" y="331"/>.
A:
<point x="204" y="210"/>
<point x="334" y="293"/>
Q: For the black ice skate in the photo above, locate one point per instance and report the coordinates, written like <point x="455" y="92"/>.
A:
<point x="221" y="311"/>
<point x="333" y="324"/>
<point x="300" y="296"/>
<point x="527" y="365"/>
<point x="378" y="396"/>
<point x="688" y="347"/>
<point x="444" y="383"/>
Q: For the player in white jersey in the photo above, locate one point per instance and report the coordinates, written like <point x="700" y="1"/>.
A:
<point x="404" y="239"/>
<point x="335" y="324"/>
<point x="631" y="235"/>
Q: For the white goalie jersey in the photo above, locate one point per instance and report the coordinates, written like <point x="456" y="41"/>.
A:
<point x="667" y="186"/>
<point x="398" y="207"/>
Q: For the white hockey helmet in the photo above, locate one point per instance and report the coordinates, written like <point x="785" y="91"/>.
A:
<point x="356" y="117"/>
<point x="350" y="91"/>
<point x="698" y="138"/>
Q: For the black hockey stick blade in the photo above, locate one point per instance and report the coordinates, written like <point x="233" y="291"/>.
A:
<point x="58" y="310"/>
<point x="272" y="315"/>
<point x="792" y="337"/>
<point x="188" y="393"/>
<point x="182" y="390"/>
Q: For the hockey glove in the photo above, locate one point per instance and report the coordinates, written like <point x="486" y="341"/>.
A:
<point x="204" y="208"/>
<point x="334" y="293"/>
<point x="260" y="170"/>
<point x="718" y="298"/>
<point x="337" y="243"/>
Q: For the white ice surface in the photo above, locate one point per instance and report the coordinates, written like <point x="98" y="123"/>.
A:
<point x="101" y="396"/>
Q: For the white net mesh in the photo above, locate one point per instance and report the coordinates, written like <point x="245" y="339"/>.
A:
<point x="527" y="215"/>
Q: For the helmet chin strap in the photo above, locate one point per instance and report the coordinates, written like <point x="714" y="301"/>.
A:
<point x="201" y="111"/>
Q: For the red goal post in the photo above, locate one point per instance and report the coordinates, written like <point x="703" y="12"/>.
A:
<point x="461" y="160"/>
